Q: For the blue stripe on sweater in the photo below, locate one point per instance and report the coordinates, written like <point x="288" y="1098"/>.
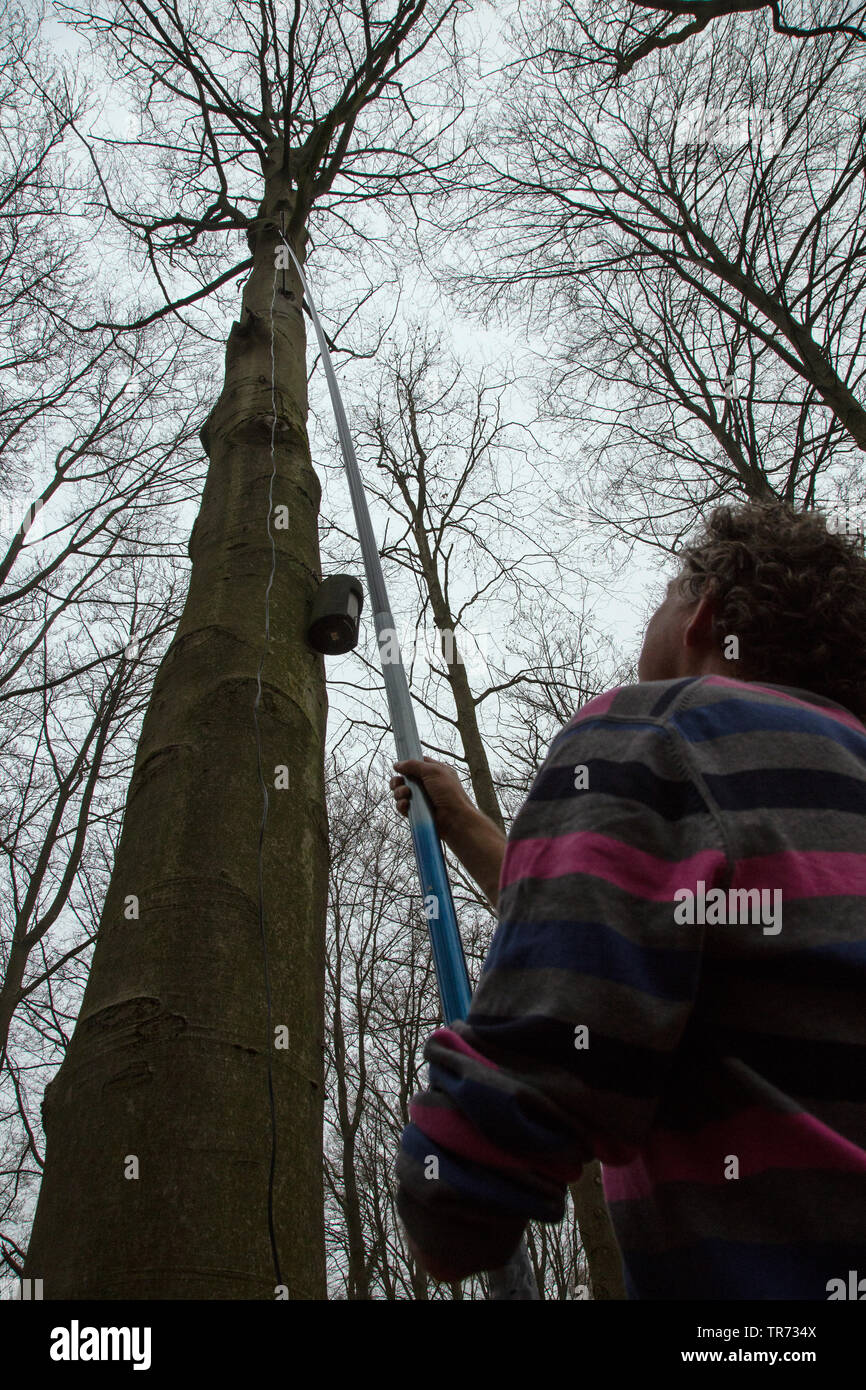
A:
<point x="814" y="789"/>
<point x="500" y="1116"/>
<point x="742" y="716"/>
<point x="593" y="949"/>
<point x="629" y="781"/>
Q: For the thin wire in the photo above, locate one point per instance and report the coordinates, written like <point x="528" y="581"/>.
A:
<point x="265" y="802"/>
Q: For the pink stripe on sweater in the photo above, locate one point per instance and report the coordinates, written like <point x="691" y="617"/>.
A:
<point x="448" y="1038"/>
<point x="761" y="1139"/>
<point x="587" y="852"/>
<point x="804" y="873"/>
<point x="454" y="1132"/>
<point x="593" y="708"/>
<point x="460" y="1137"/>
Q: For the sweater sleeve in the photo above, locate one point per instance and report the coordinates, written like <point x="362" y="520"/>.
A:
<point x="584" y="995"/>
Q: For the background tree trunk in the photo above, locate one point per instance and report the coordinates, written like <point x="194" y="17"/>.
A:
<point x="168" y="1060"/>
<point x="593" y="1219"/>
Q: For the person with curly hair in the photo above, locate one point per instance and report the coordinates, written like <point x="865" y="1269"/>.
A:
<point x="676" y="982"/>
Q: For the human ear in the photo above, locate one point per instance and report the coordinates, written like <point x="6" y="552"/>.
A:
<point x="698" y="631"/>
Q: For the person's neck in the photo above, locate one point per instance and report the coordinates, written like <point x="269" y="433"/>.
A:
<point x="713" y="665"/>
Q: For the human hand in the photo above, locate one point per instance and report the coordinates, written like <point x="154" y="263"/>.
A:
<point x="452" y="808"/>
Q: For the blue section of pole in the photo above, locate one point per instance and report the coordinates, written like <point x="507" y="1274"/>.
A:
<point x="442" y="924"/>
<point x="516" y="1279"/>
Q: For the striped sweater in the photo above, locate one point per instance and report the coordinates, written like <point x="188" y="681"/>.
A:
<point x="640" y="1005"/>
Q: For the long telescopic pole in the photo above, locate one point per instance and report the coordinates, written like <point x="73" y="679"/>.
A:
<point x="516" y="1279"/>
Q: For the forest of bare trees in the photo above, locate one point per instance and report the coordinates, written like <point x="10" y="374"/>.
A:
<point x="587" y="271"/>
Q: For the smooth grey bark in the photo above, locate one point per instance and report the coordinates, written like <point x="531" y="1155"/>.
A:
<point x="168" y="1062"/>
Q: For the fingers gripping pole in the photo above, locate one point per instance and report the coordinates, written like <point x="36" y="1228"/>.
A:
<point x="516" y="1280"/>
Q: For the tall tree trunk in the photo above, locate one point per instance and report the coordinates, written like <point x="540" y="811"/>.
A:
<point x="593" y="1219"/>
<point x="168" y="1062"/>
<point x="348" y="1115"/>
<point x="603" y="1259"/>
